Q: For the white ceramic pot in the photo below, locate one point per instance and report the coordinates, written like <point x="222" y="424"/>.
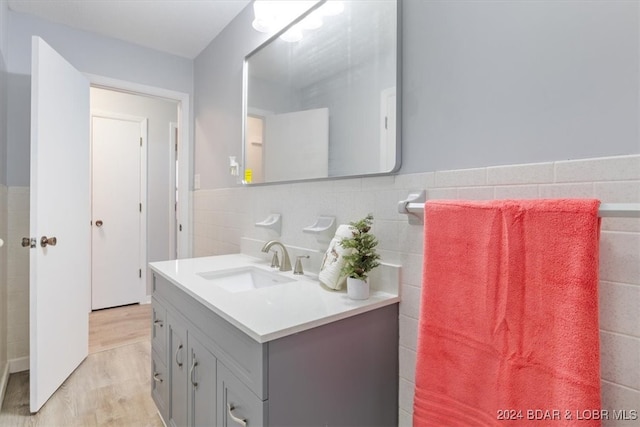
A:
<point x="357" y="288"/>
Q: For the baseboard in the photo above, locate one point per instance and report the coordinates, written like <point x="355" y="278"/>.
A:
<point x="19" y="365"/>
<point x="4" y="380"/>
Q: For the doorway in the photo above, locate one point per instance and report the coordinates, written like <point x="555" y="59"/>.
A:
<point x="133" y="207"/>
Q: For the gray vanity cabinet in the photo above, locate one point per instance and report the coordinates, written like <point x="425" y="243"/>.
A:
<point x="341" y="373"/>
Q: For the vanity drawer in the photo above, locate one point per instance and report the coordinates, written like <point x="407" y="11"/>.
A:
<point x="237" y="404"/>
<point x="159" y="329"/>
<point x="159" y="385"/>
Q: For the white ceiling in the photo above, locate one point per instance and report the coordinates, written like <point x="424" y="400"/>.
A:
<point x="179" y="27"/>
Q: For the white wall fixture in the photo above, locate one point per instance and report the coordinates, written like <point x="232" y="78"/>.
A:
<point x="1" y="243"/>
<point x="233" y="166"/>
<point x="273" y="222"/>
<point x="324" y="228"/>
<point x="413" y="199"/>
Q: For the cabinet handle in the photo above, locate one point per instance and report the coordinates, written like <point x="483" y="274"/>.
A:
<point x="158" y="322"/>
<point x="176" y="356"/>
<point x="241" y="421"/>
<point x="193" y="366"/>
<point x="156" y="377"/>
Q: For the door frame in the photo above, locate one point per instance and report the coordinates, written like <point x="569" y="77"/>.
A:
<point x="174" y="139"/>
<point x="144" y="133"/>
<point x="185" y="154"/>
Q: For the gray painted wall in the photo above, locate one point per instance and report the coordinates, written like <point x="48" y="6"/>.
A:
<point x="218" y="100"/>
<point x="89" y="53"/>
<point x="4" y="11"/>
<point x="95" y="54"/>
<point x="491" y="83"/>
<point x="484" y="83"/>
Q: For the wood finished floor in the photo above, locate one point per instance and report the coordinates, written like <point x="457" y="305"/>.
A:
<point x="110" y="388"/>
<point x="119" y="326"/>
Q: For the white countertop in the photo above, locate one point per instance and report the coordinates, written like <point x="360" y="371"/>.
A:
<point x="274" y="312"/>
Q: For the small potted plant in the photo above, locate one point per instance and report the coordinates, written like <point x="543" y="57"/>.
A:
<point x="361" y="257"/>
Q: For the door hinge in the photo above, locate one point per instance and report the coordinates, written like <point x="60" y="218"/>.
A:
<point x="140" y="141"/>
<point x="140" y="273"/>
<point x="28" y="242"/>
<point x="386" y="122"/>
<point x="140" y="207"/>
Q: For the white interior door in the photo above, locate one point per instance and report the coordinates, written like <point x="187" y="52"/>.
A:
<point x="296" y="145"/>
<point x="60" y="207"/>
<point x="116" y="265"/>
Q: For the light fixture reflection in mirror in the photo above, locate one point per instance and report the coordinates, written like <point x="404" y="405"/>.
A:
<point x="326" y="105"/>
<point x="273" y="15"/>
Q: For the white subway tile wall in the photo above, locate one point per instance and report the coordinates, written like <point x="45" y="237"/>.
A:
<point x="221" y="217"/>
<point x="17" y="274"/>
<point x="611" y="179"/>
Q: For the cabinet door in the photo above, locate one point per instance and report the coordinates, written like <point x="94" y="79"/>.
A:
<point x="237" y="404"/>
<point x="202" y="384"/>
<point x="159" y="330"/>
<point x="159" y="384"/>
<point x="178" y="372"/>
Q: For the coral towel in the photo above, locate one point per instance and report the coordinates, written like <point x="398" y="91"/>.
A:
<point x="508" y="329"/>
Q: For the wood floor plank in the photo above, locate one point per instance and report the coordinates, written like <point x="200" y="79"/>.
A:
<point x="119" y="326"/>
<point x="110" y="388"/>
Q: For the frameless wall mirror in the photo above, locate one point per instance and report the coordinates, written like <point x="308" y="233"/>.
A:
<point x="321" y="98"/>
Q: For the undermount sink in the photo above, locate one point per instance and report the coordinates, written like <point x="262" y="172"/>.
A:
<point x="244" y="278"/>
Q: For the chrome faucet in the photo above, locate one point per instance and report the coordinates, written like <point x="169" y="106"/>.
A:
<point x="286" y="262"/>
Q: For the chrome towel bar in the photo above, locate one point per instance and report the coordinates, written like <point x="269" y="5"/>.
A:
<point x="413" y="206"/>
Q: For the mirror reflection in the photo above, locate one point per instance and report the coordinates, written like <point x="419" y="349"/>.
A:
<point x="320" y="100"/>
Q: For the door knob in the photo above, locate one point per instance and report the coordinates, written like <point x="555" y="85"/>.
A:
<point x="99" y="223"/>
<point x="44" y="241"/>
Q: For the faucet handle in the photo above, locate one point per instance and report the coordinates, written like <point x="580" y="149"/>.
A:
<point x="298" y="268"/>
<point x="275" y="262"/>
